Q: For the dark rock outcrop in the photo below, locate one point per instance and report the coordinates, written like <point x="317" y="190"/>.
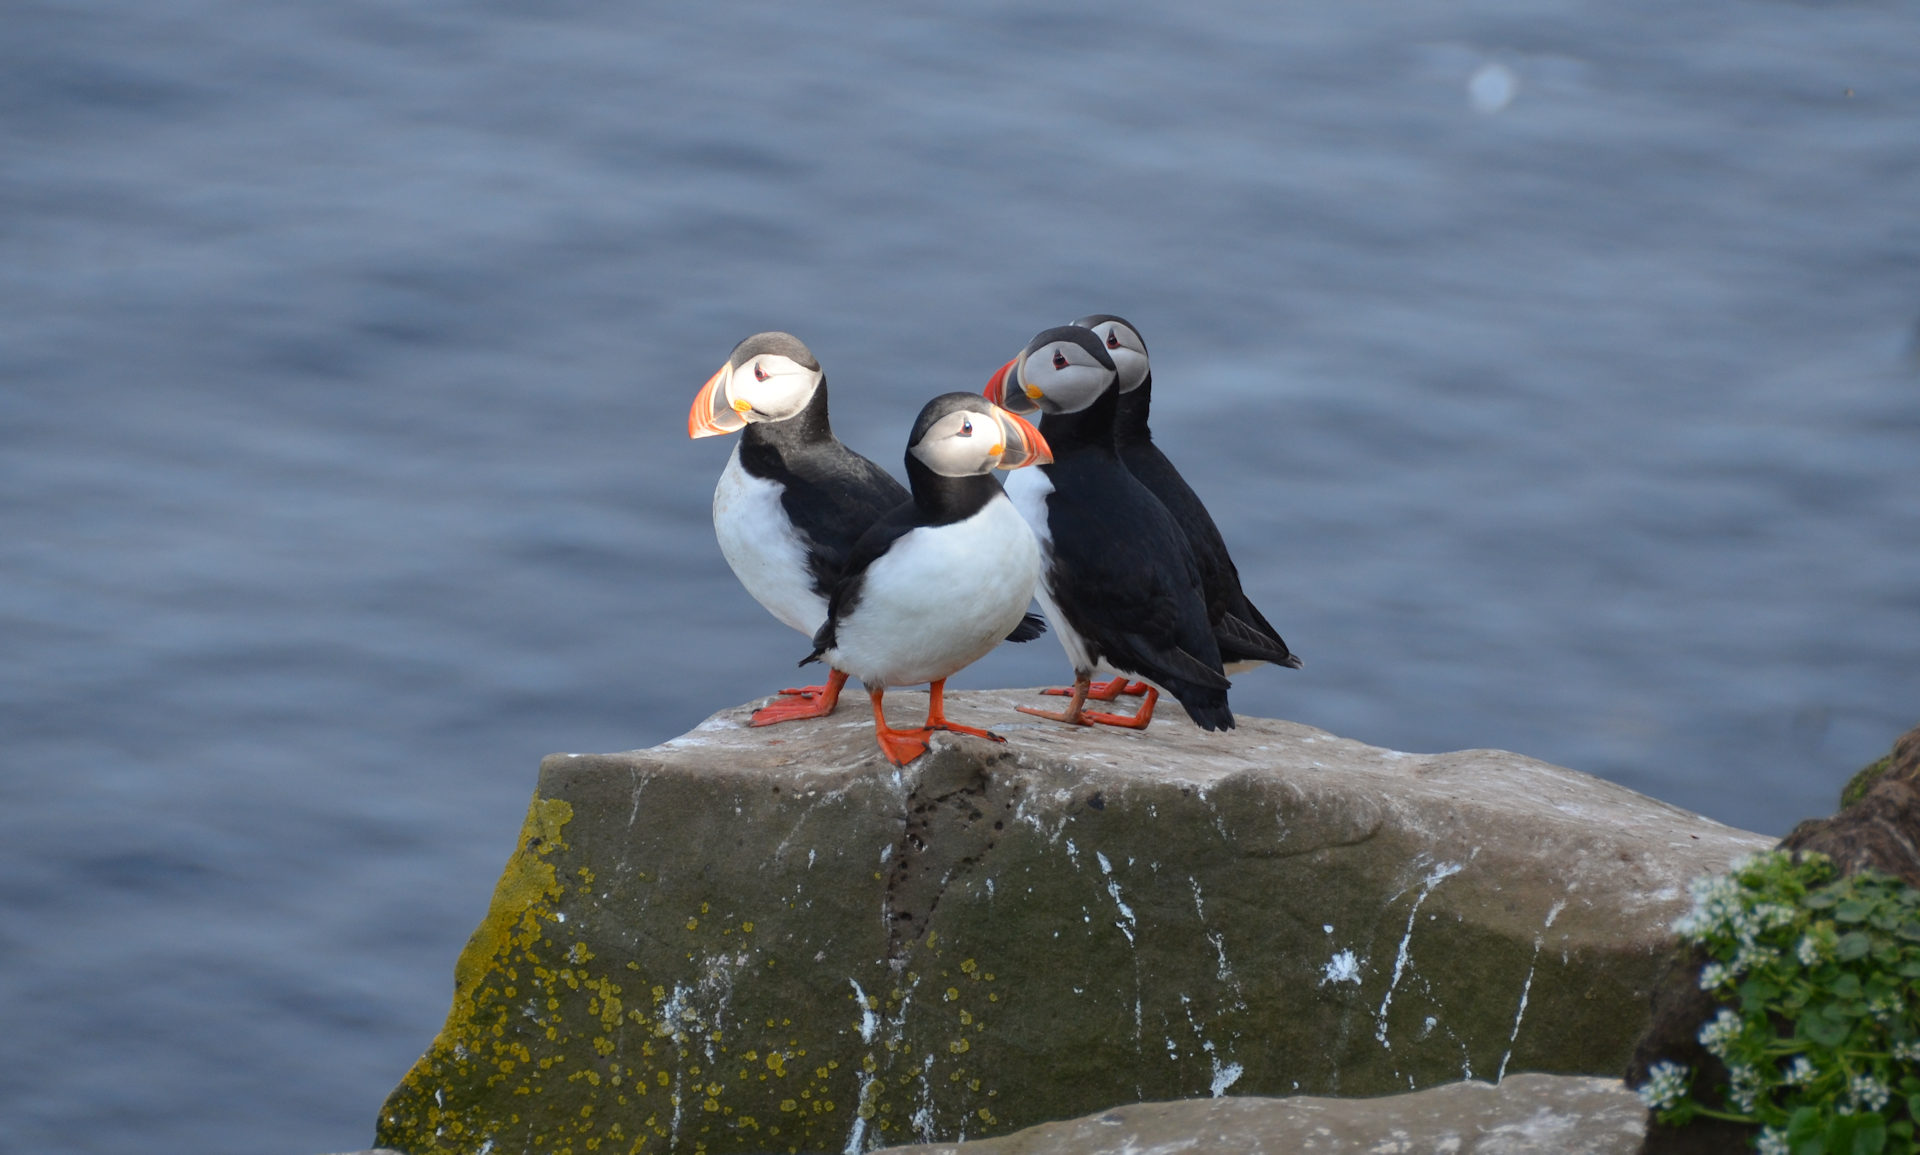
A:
<point x="771" y="940"/>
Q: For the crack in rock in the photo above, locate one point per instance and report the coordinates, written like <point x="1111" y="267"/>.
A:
<point x="954" y="814"/>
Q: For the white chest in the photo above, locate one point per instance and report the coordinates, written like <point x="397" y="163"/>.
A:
<point x="764" y="550"/>
<point x="1028" y="489"/>
<point x="939" y="599"/>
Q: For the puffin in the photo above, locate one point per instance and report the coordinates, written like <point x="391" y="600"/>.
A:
<point x="792" y="500"/>
<point x="1245" y="636"/>
<point x="1121" y="586"/>
<point x="941" y="579"/>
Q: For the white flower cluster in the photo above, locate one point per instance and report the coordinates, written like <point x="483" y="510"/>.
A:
<point x="1809" y="951"/>
<point x="1773" y="1141"/>
<point x="1801" y="1073"/>
<point x="1884" y="1007"/>
<point x="1718" y="1036"/>
<point x="1715" y="975"/>
<point x="1744" y="1086"/>
<point x="1908" y="1052"/>
<point x="1721" y="911"/>
<point x="1867" y="1093"/>
<point x="1716" y="903"/>
<point x="1666" y="1085"/>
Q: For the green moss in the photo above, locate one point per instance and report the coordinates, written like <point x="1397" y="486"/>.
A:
<point x="1863" y="780"/>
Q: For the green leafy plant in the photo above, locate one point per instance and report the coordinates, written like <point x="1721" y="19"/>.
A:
<point x="1820" y="1024"/>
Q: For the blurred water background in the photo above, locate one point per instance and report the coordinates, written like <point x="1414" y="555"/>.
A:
<point x="1550" y="367"/>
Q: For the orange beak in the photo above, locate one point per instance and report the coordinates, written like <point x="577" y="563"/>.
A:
<point x="712" y="414"/>
<point x="1022" y="443"/>
<point x="996" y="390"/>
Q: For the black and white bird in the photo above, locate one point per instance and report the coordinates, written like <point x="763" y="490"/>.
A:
<point x="941" y="579"/>
<point x="792" y="500"/>
<point x="1245" y="636"/>
<point x="1121" y="587"/>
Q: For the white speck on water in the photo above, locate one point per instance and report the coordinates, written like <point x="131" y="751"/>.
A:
<point x="1553" y="911"/>
<point x="1328" y="927"/>
<point x="1224" y="1077"/>
<point x="1341" y="968"/>
<point x="1491" y="88"/>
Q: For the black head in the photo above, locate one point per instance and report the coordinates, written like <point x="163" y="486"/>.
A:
<point x="1124" y="344"/>
<point x="768" y="377"/>
<point x="960" y="434"/>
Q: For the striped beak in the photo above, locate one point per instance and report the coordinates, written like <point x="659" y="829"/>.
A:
<point x="712" y="413"/>
<point x="1003" y="389"/>
<point x="1021" y="442"/>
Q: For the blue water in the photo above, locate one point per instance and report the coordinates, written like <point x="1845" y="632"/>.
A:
<point x="1551" y="368"/>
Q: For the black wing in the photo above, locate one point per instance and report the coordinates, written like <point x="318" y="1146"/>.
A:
<point x="1125" y="578"/>
<point x="901" y="520"/>
<point x="1240" y="629"/>
<point x="1031" y="626"/>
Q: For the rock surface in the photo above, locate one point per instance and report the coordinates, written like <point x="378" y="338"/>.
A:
<point x="771" y="940"/>
<point x="1523" y="1115"/>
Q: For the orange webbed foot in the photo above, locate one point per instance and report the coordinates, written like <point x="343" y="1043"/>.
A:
<point x="801" y="702"/>
<point x="1138" y="721"/>
<point x="902" y="746"/>
<point x="937" y="714"/>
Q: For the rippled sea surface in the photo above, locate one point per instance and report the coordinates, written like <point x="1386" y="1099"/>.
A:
<point x="1551" y="368"/>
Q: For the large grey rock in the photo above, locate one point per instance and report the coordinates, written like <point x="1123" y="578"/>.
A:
<point x="771" y="940"/>
<point x="1524" y="1115"/>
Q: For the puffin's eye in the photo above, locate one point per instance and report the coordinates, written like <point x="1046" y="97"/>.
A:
<point x="759" y="374"/>
<point x="1113" y="339"/>
<point x="966" y="427"/>
<point x="1059" y="359"/>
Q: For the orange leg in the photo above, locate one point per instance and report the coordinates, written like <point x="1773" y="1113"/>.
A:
<point x="1073" y="714"/>
<point x="900" y="746"/>
<point x="1108" y="691"/>
<point x="937" y="714"/>
<point x="808" y="702"/>
<point x="1138" y="721"/>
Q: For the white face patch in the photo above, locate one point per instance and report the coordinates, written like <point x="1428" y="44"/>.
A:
<point x="772" y="387"/>
<point x="961" y="444"/>
<point x="1128" y="351"/>
<point x="1065" y="375"/>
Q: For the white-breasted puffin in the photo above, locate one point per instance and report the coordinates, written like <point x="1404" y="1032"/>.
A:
<point x="1121" y="587"/>
<point x="942" y="579"/>
<point x="1245" y="636"/>
<point x="792" y="500"/>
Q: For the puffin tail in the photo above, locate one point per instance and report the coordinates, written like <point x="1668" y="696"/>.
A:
<point x="1206" y="706"/>
<point x="1241" y="641"/>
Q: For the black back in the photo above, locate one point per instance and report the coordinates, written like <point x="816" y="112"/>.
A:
<point x="1242" y="631"/>
<point x="1122" y="572"/>
<point x="831" y="494"/>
